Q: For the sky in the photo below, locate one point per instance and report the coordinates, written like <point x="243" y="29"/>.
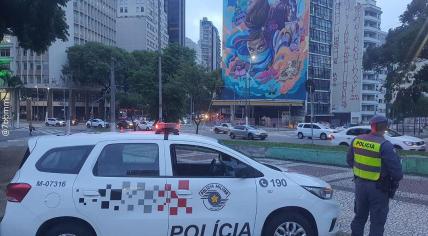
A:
<point x="213" y="9"/>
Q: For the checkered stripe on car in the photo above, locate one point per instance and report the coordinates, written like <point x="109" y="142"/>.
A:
<point x="141" y="197"/>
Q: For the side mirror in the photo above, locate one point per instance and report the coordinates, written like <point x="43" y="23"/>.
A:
<point x="247" y="172"/>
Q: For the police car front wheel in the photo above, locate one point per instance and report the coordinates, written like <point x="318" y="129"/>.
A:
<point x="68" y="229"/>
<point x="289" y="225"/>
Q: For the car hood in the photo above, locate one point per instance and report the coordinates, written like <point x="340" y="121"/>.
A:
<point x="405" y="138"/>
<point x="305" y="180"/>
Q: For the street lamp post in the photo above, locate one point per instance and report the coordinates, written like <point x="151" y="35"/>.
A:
<point x="47" y="105"/>
<point x="37" y="105"/>
<point x="248" y="83"/>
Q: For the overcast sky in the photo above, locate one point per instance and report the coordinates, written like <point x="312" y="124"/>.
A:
<point x="213" y="9"/>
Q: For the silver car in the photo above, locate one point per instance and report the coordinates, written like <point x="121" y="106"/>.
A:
<point x="247" y="132"/>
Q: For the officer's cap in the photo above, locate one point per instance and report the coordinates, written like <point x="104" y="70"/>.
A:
<point x="378" y="120"/>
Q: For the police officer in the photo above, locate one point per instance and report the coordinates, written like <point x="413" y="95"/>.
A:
<point x="376" y="167"/>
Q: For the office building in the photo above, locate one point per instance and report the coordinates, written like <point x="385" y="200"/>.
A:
<point x="264" y="73"/>
<point x="320" y="67"/>
<point x="177" y="21"/>
<point x="192" y="45"/>
<point x="209" y="42"/>
<point x="46" y="89"/>
<point x="137" y="24"/>
<point x="347" y="60"/>
<point x="373" y="90"/>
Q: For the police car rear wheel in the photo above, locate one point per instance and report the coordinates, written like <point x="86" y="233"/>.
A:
<point x="289" y="225"/>
<point x="68" y="229"/>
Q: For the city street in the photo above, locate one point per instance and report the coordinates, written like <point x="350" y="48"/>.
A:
<point x="408" y="210"/>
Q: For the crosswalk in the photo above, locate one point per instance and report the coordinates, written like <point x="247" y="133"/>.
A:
<point x="49" y="130"/>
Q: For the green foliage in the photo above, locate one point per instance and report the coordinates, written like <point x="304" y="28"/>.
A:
<point x="90" y="64"/>
<point x="137" y="77"/>
<point x="405" y="43"/>
<point x="405" y="46"/>
<point x="36" y="23"/>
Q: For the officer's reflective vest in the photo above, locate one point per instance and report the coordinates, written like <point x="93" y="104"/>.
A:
<point x="367" y="159"/>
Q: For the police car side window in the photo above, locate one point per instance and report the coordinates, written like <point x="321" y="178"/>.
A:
<point x="128" y="160"/>
<point x="65" y="160"/>
<point x="197" y="161"/>
<point x="353" y="132"/>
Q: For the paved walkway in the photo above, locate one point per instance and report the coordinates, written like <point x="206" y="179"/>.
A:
<point x="408" y="211"/>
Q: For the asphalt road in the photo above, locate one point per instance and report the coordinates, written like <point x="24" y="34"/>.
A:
<point x="408" y="211"/>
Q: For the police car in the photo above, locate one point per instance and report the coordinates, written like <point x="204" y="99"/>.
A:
<point x="150" y="184"/>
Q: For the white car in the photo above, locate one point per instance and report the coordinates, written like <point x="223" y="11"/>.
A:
<point x="114" y="184"/>
<point x="54" y="122"/>
<point x="402" y="142"/>
<point x="320" y="131"/>
<point x="145" y="125"/>
<point x="97" y="123"/>
<point x="223" y="128"/>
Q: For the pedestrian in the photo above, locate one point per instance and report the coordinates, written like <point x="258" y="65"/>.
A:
<point x="377" y="171"/>
<point x="31" y="128"/>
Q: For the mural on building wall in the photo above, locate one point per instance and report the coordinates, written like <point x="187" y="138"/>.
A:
<point x="265" y="49"/>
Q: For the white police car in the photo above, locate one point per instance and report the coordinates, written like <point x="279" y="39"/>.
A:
<point x="115" y="184"/>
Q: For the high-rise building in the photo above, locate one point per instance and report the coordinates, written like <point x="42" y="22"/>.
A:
<point x="192" y="45"/>
<point x="373" y="90"/>
<point x="209" y="41"/>
<point x="319" y="69"/>
<point x="347" y="60"/>
<point x="137" y="24"/>
<point x="41" y="74"/>
<point x="177" y="21"/>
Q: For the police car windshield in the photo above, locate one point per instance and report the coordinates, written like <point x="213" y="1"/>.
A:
<point x="393" y="133"/>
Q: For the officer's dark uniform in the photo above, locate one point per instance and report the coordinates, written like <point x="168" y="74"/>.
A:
<point x="373" y="159"/>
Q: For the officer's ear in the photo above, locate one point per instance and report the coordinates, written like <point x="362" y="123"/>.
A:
<point x="374" y="127"/>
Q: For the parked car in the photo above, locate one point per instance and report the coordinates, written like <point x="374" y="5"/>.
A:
<point x="145" y="125"/>
<point x="223" y="128"/>
<point x="97" y="123"/>
<point x="125" y="124"/>
<point x="247" y="132"/>
<point x="320" y="131"/>
<point x="402" y="142"/>
<point x="54" y="122"/>
<point x="114" y="184"/>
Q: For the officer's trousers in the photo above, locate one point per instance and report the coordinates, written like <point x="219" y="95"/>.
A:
<point x="369" y="200"/>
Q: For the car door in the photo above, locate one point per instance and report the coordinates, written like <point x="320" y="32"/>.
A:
<point x="307" y="130"/>
<point x="207" y="199"/>
<point x="119" y="188"/>
<point x="238" y="130"/>
<point x="224" y="128"/>
<point x="317" y="131"/>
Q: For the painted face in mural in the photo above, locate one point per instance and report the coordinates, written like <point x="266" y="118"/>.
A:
<point x="256" y="46"/>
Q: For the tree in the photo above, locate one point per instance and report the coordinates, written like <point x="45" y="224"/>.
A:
<point x="36" y="23"/>
<point x="405" y="48"/>
<point x="90" y="64"/>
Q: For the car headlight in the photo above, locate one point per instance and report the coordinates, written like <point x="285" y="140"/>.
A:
<point x="409" y="143"/>
<point x="323" y="193"/>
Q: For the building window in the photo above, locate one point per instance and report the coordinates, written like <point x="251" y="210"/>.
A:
<point x="126" y="10"/>
<point x="5" y="52"/>
<point x="121" y="10"/>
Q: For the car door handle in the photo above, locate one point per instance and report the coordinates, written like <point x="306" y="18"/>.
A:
<point x="91" y="193"/>
<point x="184" y="193"/>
